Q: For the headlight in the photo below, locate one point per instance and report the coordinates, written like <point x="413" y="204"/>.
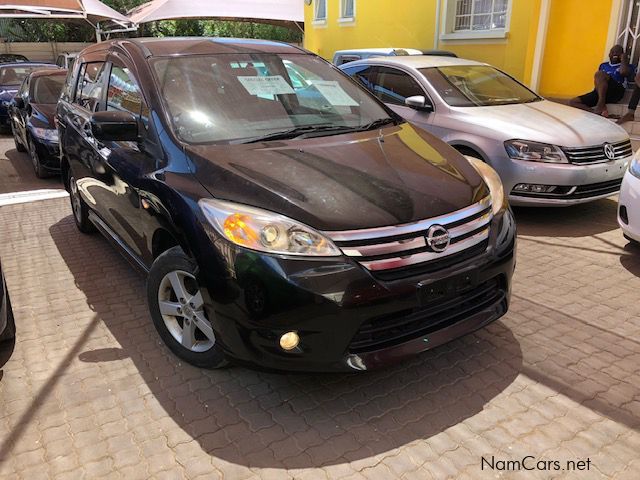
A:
<point x="534" y="151"/>
<point x="634" y="166"/>
<point x="45" y="133"/>
<point x="492" y="179"/>
<point x="265" y="231"/>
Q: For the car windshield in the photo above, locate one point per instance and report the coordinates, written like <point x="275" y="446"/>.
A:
<point x="47" y="89"/>
<point x="235" y="98"/>
<point x="15" y="75"/>
<point x="476" y="86"/>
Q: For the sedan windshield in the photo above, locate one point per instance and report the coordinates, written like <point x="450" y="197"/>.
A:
<point x="237" y="98"/>
<point x="476" y="86"/>
<point x="15" y="75"/>
<point x="47" y="89"/>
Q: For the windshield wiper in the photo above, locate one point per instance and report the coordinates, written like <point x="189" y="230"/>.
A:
<point x="381" y="122"/>
<point x="297" y="132"/>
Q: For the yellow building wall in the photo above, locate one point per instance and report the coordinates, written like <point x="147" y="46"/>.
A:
<point x="513" y="54"/>
<point x="378" y="23"/>
<point x="575" y="46"/>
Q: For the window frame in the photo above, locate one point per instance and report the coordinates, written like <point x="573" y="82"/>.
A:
<point x="450" y="33"/>
<point x="347" y="19"/>
<point x="316" y="19"/>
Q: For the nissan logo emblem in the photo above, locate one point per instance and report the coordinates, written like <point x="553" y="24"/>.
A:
<point x="438" y="238"/>
<point x="609" y="152"/>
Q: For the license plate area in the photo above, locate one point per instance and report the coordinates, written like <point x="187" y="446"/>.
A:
<point x="430" y="292"/>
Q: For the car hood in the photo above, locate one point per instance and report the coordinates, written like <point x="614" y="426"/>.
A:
<point x="42" y="115"/>
<point x="543" y="121"/>
<point x="343" y="182"/>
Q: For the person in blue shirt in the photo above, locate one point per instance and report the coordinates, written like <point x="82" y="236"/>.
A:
<point x="609" y="81"/>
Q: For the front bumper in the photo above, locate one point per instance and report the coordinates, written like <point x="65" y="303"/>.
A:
<point x="588" y="182"/>
<point x="48" y="153"/>
<point x="349" y="319"/>
<point x="630" y="200"/>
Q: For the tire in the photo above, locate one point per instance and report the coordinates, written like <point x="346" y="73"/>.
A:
<point x="79" y="207"/>
<point x="182" y="321"/>
<point x="35" y="160"/>
<point x="19" y="146"/>
<point x="10" y="330"/>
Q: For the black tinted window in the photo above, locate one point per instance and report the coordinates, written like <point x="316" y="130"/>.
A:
<point x="361" y="73"/>
<point x="124" y="94"/>
<point x="90" y="86"/>
<point x="394" y="86"/>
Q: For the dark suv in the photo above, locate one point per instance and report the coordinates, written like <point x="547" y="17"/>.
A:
<point x="290" y="223"/>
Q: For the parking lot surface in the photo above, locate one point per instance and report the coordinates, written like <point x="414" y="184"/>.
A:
<point x="89" y="391"/>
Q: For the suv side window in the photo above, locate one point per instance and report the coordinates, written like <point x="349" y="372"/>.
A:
<point x="124" y="94"/>
<point x="363" y="74"/>
<point x="394" y="86"/>
<point x="90" y="86"/>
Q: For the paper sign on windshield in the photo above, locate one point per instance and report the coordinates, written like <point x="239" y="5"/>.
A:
<point x="270" y="85"/>
<point x="334" y="93"/>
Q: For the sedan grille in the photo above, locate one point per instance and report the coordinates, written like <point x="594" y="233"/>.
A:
<point x="596" y="153"/>
<point x="405" y="247"/>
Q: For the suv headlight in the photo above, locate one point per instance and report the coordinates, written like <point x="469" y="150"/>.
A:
<point x="49" y="134"/>
<point x="634" y="166"/>
<point x="492" y="179"/>
<point x="534" y="151"/>
<point x="265" y="231"/>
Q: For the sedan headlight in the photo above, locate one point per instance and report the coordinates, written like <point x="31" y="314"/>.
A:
<point x="48" y="134"/>
<point x="534" y="151"/>
<point x="492" y="179"/>
<point x="634" y="166"/>
<point x="265" y="231"/>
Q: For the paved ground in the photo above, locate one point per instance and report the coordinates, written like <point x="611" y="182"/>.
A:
<point x="89" y="390"/>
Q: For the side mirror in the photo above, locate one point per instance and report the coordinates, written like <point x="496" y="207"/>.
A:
<point x="19" y="102"/>
<point x="418" y="102"/>
<point x="114" y="126"/>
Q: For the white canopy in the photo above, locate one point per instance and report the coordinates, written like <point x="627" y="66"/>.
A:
<point x="264" y="11"/>
<point x="91" y="11"/>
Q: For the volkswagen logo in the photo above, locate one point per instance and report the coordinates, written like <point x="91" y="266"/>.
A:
<point x="609" y="152"/>
<point x="438" y="238"/>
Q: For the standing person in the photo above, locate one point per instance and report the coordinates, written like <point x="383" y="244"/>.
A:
<point x="609" y="81"/>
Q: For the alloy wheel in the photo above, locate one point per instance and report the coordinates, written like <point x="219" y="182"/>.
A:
<point x="75" y="199"/>
<point x="34" y="157"/>
<point x="182" y="309"/>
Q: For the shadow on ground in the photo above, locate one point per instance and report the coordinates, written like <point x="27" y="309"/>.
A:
<point x="20" y="177"/>
<point x="574" y="221"/>
<point x="288" y="421"/>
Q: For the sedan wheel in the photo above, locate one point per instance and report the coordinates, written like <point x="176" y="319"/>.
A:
<point x="35" y="160"/>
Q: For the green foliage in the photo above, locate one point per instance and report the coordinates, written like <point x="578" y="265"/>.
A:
<point x="30" y="30"/>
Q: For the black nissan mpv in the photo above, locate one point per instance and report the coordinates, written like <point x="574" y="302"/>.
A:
<point x="285" y="218"/>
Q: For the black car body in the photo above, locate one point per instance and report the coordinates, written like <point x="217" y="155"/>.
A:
<point x="12" y="58"/>
<point x="372" y="240"/>
<point x="11" y="77"/>
<point x="7" y="325"/>
<point x="32" y="117"/>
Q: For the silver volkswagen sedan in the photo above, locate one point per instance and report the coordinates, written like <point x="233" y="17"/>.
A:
<point x="546" y="153"/>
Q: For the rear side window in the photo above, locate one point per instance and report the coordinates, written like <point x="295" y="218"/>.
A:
<point x="124" y="94"/>
<point x="394" y="86"/>
<point x="90" y="86"/>
<point x="347" y="58"/>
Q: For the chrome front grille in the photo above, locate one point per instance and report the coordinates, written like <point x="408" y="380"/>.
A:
<point x="399" y="246"/>
<point x="596" y="153"/>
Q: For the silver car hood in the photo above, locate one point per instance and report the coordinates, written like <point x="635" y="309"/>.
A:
<point x="543" y="121"/>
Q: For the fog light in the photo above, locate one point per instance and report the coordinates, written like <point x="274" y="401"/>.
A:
<point x="533" y="188"/>
<point x="289" y="341"/>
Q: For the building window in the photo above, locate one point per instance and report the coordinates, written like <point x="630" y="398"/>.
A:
<point x="475" y="19"/>
<point x="475" y="15"/>
<point x="347" y="9"/>
<point x="320" y="13"/>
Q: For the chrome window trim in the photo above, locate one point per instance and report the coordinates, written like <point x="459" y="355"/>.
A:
<point x="408" y="228"/>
